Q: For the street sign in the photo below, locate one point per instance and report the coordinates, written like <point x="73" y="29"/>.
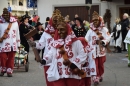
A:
<point x="9" y="9"/>
<point x="31" y="3"/>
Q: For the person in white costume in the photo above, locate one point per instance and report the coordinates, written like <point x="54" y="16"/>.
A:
<point x="47" y="38"/>
<point x="9" y="42"/>
<point x="70" y="56"/>
<point x="89" y="67"/>
<point x="98" y="36"/>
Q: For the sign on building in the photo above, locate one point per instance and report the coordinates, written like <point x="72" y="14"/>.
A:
<point x="31" y="3"/>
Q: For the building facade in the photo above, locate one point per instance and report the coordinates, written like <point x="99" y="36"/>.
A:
<point x="19" y="7"/>
<point x="117" y="7"/>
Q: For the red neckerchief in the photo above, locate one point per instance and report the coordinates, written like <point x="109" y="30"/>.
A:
<point x="12" y="19"/>
<point x="100" y="27"/>
<point x="50" y="29"/>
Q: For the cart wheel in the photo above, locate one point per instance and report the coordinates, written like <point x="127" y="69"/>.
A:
<point x="27" y="67"/>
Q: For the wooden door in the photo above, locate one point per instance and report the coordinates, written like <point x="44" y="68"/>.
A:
<point x="80" y="10"/>
<point x="124" y="10"/>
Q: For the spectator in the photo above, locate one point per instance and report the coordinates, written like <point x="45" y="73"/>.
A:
<point x="79" y="29"/>
<point x="117" y="36"/>
<point x="24" y="28"/>
<point x="76" y="16"/>
<point x="86" y="25"/>
<point x="72" y="24"/>
<point x="40" y="31"/>
<point x="47" y="21"/>
<point x="124" y="24"/>
<point x="39" y="34"/>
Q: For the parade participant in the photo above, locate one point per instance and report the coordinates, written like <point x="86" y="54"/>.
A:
<point x="89" y="67"/>
<point x="127" y="40"/>
<point x="24" y="28"/>
<point x="79" y="28"/>
<point x="47" y="38"/>
<point x="9" y="42"/>
<point x="98" y="37"/>
<point x="70" y="55"/>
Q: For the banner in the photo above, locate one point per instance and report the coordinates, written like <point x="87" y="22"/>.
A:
<point x="127" y="38"/>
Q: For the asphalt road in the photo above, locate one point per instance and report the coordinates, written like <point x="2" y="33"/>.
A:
<point x="116" y="73"/>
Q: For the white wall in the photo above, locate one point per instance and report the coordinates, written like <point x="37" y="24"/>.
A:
<point x="46" y="7"/>
<point x="4" y="3"/>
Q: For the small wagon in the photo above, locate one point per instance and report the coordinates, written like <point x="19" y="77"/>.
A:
<point x="20" y="60"/>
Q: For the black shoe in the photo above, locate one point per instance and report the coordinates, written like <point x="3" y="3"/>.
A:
<point x="96" y="83"/>
<point x="119" y="52"/>
<point x="9" y="75"/>
<point x="129" y="65"/>
<point x="101" y="79"/>
<point x="124" y="50"/>
<point x="2" y="74"/>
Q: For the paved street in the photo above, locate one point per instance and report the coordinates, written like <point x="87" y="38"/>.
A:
<point x="116" y="73"/>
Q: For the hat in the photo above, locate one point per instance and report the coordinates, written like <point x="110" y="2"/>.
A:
<point x="56" y="13"/>
<point x="79" y="19"/>
<point x="25" y="16"/>
<point x="38" y="23"/>
<point x="95" y="15"/>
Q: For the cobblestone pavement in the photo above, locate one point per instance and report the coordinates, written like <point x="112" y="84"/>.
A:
<point x="116" y="73"/>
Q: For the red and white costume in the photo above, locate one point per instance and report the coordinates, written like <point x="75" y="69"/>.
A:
<point x="75" y="53"/>
<point x="99" y="54"/>
<point x="89" y="67"/>
<point x="9" y="45"/>
<point x="45" y="41"/>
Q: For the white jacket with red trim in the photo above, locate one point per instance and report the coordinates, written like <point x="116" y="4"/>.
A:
<point x="91" y="37"/>
<point x="13" y="38"/>
<point x="76" y="55"/>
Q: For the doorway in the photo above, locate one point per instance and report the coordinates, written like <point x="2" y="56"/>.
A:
<point x="80" y="10"/>
<point x="123" y="10"/>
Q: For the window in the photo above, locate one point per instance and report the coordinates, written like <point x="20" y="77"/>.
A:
<point x="14" y="2"/>
<point x="20" y="2"/>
